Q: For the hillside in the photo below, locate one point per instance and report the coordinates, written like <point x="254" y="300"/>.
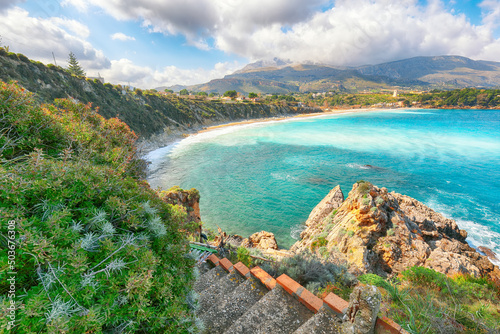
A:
<point x="443" y="72"/>
<point x="147" y="112"/>
<point x="91" y="248"/>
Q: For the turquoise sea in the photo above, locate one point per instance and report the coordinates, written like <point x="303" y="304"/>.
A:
<point x="269" y="176"/>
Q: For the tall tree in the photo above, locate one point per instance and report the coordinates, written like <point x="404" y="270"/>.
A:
<point x="74" y="66"/>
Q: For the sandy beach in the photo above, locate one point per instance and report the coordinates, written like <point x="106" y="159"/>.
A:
<point x="274" y="119"/>
<point x="163" y="140"/>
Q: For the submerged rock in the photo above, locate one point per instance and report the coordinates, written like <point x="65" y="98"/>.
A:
<point x="385" y="233"/>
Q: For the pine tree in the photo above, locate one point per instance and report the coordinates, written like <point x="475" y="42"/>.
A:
<point x="74" y="66"/>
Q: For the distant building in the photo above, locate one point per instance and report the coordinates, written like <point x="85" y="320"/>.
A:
<point x="395" y="94"/>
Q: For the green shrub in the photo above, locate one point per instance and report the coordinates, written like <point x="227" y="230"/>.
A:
<point x="97" y="250"/>
<point x="307" y="268"/>
<point x="425" y="276"/>
<point x="364" y="187"/>
<point x="319" y="241"/>
<point x="23" y="58"/>
<point x="244" y="256"/>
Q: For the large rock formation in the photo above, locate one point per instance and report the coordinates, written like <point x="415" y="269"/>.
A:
<point x="385" y="233"/>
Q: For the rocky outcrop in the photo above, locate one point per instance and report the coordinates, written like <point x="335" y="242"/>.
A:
<point x="324" y="209"/>
<point x="188" y="199"/>
<point x="385" y="233"/>
<point x="261" y="240"/>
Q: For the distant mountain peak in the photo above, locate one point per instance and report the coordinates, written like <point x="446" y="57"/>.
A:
<point x="265" y="63"/>
<point x="420" y="73"/>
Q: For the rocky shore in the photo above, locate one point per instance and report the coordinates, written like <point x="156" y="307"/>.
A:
<point x="372" y="231"/>
<point x="375" y="231"/>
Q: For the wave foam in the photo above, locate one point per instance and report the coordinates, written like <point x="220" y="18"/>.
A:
<point x="283" y="177"/>
<point x="296" y="230"/>
<point x="477" y="234"/>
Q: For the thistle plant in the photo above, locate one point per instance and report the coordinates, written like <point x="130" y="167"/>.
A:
<point x="89" y="280"/>
<point x="148" y="209"/>
<point x="156" y="227"/>
<point x="59" y="309"/>
<point x="107" y="229"/>
<point x="89" y="242"/>
<point x="76" y="226"/>
<point x="99" y="218"/>
<point x="46" y="209"/>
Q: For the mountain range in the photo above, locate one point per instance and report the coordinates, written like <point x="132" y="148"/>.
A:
<point x="424" y="73"/>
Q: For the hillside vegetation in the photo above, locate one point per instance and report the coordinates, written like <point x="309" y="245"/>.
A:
<point x="94" y="248"/>
<point x="146" y="112"/>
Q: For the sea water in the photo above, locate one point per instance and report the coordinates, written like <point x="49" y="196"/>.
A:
<point x="269" y="176"/>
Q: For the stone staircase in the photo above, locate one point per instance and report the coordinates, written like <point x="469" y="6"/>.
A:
<point x="236" y="299"/>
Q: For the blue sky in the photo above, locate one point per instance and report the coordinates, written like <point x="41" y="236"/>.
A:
<point x="152" y="43"/>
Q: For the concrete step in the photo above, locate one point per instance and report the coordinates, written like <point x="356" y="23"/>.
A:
<point x="232" y="306"/>
<point x="209" y="279"/>
<point x="323" y="322"/>
<point x="204" y="267"/>
<point x="213" y="296"/>
<point x="277" y="312"/>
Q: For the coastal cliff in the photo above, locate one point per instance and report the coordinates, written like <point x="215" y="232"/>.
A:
<point x="375" y="231"/>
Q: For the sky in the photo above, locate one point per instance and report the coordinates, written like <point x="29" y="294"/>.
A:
<point x="153" y="43"/>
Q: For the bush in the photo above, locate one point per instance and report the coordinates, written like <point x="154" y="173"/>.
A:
<point x="244" y="256"/>
<point x="364" y="187"/>
<point x="307" y="268"/>
<point x="97" y="250"/>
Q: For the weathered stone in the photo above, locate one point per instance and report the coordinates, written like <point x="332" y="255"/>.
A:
<point x="261" y="240"/>
<point x="361" y="315"/>
<point x="331" y="202"/>
<point x="277" y="312"/>
<point x="323" y="322"/>
<point x="385" y="233"/>
<point x="488" y="252"/>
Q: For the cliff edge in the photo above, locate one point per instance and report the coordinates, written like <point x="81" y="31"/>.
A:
<point x="375" y="231"/>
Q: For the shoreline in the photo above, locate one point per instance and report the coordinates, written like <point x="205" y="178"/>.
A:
<point x="151" y="145"/>
<point x="283" y="118"/>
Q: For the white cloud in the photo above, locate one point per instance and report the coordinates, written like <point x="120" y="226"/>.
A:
<point x="122" y="37"/>
<point x="124" y="71"/>
<point x="37" y="38"/>
<point x="72" y="26"/>
<point x="491" y="13"/>
<point x="350" y="32"/>
<point x="80" y="5"/>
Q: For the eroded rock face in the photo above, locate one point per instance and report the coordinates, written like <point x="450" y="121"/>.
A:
<point x="385" y="233"/>
<point x="261" y="240"/>
<point x="189" y="199"/>
<point x="324" y="209"/>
